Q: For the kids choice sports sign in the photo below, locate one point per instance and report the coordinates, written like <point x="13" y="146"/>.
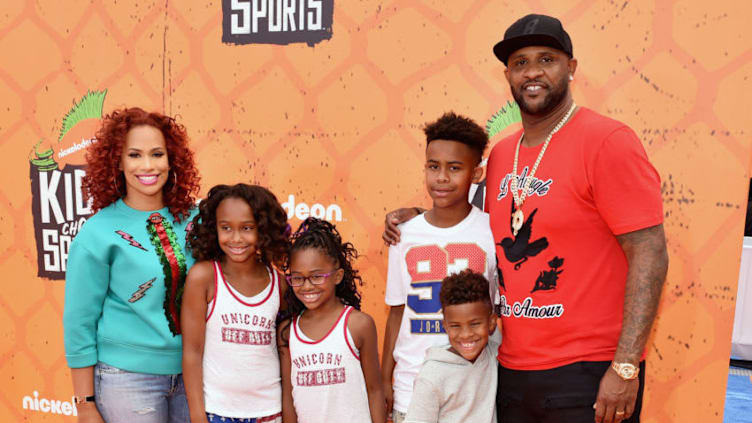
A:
<point x="334" y="130"/>
<point x="276" y="21"/>
<point x="56" y="170"/>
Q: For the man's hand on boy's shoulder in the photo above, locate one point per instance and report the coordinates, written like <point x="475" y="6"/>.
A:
<point x="391" y="235"/>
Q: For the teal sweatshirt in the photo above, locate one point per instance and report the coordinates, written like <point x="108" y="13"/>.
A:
<point x="115" y="292"/>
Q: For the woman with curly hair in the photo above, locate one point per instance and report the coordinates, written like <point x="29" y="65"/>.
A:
<point x="232" y="297"/>
<point x="126" y="269"/>
<point x="327" y="347"/>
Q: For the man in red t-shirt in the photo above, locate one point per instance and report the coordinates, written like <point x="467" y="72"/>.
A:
<point x="576" y="215"/>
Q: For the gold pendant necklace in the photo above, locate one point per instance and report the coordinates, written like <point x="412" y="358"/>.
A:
<point x="518" y="217"/>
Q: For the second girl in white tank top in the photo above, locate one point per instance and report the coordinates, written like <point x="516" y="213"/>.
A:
<point x="328" y="348"/>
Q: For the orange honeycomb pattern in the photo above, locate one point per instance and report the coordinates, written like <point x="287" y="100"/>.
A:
<point x="339" y="123"/>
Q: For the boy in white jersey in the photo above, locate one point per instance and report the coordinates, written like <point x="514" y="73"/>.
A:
<point x="450" y="237"/>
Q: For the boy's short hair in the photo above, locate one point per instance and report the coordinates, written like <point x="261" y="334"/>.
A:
<point x="464" y="287"/>
<point x="453" y="127"/>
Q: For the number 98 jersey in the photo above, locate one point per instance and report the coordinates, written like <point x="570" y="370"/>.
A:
<point x="425" y="255"/>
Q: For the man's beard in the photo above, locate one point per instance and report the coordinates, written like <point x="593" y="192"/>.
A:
<point x="557" y="93"/>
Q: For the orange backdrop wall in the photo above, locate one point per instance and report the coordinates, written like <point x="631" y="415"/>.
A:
<point x="337" y="125"/>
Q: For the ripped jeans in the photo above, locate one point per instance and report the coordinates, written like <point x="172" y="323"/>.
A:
<point x="129" y="397"/>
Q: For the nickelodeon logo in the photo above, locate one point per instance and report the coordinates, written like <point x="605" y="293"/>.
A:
<point x="301" y="211"/>
<point x="49" y="406"/>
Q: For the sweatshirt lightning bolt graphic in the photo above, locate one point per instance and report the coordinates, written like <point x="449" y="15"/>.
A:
<point x="128" y="237"/>
<point x="141" y="290"/>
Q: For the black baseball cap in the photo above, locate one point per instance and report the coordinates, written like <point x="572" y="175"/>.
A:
<point x="533" y="30"/>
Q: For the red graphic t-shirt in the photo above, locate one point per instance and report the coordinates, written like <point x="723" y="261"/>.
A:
<point x="562" y="278"/>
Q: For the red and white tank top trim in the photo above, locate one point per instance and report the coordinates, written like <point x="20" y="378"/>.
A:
<point x="219" y="275"/>
<point x="345" y="331"/>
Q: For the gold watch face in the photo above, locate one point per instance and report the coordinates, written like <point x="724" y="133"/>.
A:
<point x="626" y="370"/>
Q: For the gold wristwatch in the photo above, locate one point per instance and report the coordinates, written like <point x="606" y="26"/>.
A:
<point x="81" y="400"/>
<point x="626" y="371"/>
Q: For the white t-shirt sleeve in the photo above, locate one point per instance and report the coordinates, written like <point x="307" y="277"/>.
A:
<point x="395" y="286"/>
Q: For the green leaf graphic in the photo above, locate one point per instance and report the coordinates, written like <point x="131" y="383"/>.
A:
<point x="507" y="115"/>
<point x="89" y="107"/>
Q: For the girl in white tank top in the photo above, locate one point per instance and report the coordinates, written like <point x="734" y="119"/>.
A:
<point x="327" y="348"/>
<point x="230" y="305"/>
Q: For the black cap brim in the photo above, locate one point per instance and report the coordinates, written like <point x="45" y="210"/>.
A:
<point x="503" y="49"/>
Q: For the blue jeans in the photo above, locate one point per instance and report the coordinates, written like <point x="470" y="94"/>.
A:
<point x="128" y="397"/>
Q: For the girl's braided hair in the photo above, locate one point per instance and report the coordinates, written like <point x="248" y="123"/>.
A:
<point x="323" y="236"/>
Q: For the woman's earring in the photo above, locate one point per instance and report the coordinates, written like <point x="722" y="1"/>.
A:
<point x="117" y="184"/>
<point x="174" y="187"/>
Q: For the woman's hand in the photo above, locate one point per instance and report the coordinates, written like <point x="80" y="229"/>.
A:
<point x="88" y="413"/>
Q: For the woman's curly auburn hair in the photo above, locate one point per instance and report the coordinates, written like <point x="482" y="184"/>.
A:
<point x="104" y="183"/>
<point x="271" y="223"/>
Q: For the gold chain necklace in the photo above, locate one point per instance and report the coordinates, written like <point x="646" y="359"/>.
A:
<point x="518" y="217"/>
